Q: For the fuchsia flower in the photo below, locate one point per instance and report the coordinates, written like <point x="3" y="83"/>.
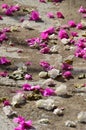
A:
<point x="3" y="36"/>
<point x="50" y="15"/>
<point x="82" y="10"/>
<point x="46" y="66"/>
<point x="44" y="35"/>
<point x="67" y="74"/>
<point x="1" y="17"/>
<point x="4" y="6"/>
<point x="34" y="15"/>
<point x="9" y="10"/>
<point x="62" y="34"/>
<point x="28" y="63"/>
<point x="79" y="26"/>
<point x="28" y="77"/>
<point x="48" y="92"/>
<point x="59" y="15"/>
<point x="6" y="103"/>
<point x="36" y="87"/>
<point x="74" y="34"/>
<point x="66" y="66"/>
<point x="43" y="1"/>
<point x="26" y="87"/>
<point x="34" y="41"/>
<point x="72" y="23"/>
<point x="45" y="50"/>
<point x="23" y="125"/>
<point x="3" y="74"/>
<point x="4" y="60"/>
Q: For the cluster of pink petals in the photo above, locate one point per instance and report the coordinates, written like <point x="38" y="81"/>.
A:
<point x="66" y="66"/>
<point x="28" y="77"/>
<point x="23" y="124"/>
<point x="72" y="23"/>
<point x="62" y="34"/>
<point x="44" y="35"/>
<point x="1" y="17"/>
<point x="9" y="10"/>
<point x="43" y="1"/>
<point x="28" y="63"/>
<point x="33" y="41"/>
<point x="45" y="50"/>
<point x="82" y="10"/>
<point x="6" y="103"/>
<point x="48" y="92"/>
<point x="50" y="15"/>
<point x="74" y="34"/>
<point x="3" y="36"/>
<point x="3" y="74"/>
<point x="45" y="92"/>
<point x="81" y="48"/>
<point x="60" y="15"/>
<point x="46" y="66"/>
<point x="67" y="74"/>
<point x="4" y="61"/>
<point x="79" y="26"/>
<point x="34" y="16"/>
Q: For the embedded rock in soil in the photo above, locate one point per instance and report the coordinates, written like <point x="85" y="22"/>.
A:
<point x="43" y="74"/>
<point x="70" y="123"/>
<point x="47" y="104"/>
<point x="53" y="73"/>
<point x="82" y="117"/>
<point x="61" y="90"/>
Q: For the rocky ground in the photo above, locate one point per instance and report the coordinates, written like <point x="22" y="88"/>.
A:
<point x="17" y="50"/>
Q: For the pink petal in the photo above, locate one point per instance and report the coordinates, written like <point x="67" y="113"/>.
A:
<point x="59" y="15"/>
<point x="62" y="34"/>
<point x="72" y="23"/>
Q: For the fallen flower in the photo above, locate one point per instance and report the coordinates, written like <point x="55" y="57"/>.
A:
<point x="34" y="16"/>
<point x="45" y="50"/>
<point x="26" y="87"/>
<point x="50" y="15"/>
<point x="4" y="60"/>
<point x="67" y="74"/>
<point x="1" y="17"/>
<point x="59" y="15"/>
<point x="46" y="66"/>
<point x="74" y="34"/>
<point x="28" y="77"/>
<point x="79" y="26"/>
<point x="63" y="34"/>
<point x="66" y="66"/>
<point x="72" y="23"/>
<point x="43" y="1"/>
<point x="3" y="74"/>
<point x="23" y="125"/>
<point x="6" y="103"/>
<point x="82" y="10"/>
<point x="48" y="92"/>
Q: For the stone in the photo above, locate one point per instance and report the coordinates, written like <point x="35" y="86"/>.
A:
<point x="9" y="111"/>
<point x="18" y="99"/>
<point x="54" y="49"/>
<point x="61" y="90"/>
<point x="44" y="121"/>
<point x="58" y="112"/>
<point x="49" y="82"/>
<point x="65" y="41"/>
<point x="70" y="123"/>
<point x="43" y="74"/>
<point x="47" y="104"/>
<point x="53" y="73"/>
<point x="53" y="36"/>
<point x="82" y="117"/>
<point x="25" y="24"/>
